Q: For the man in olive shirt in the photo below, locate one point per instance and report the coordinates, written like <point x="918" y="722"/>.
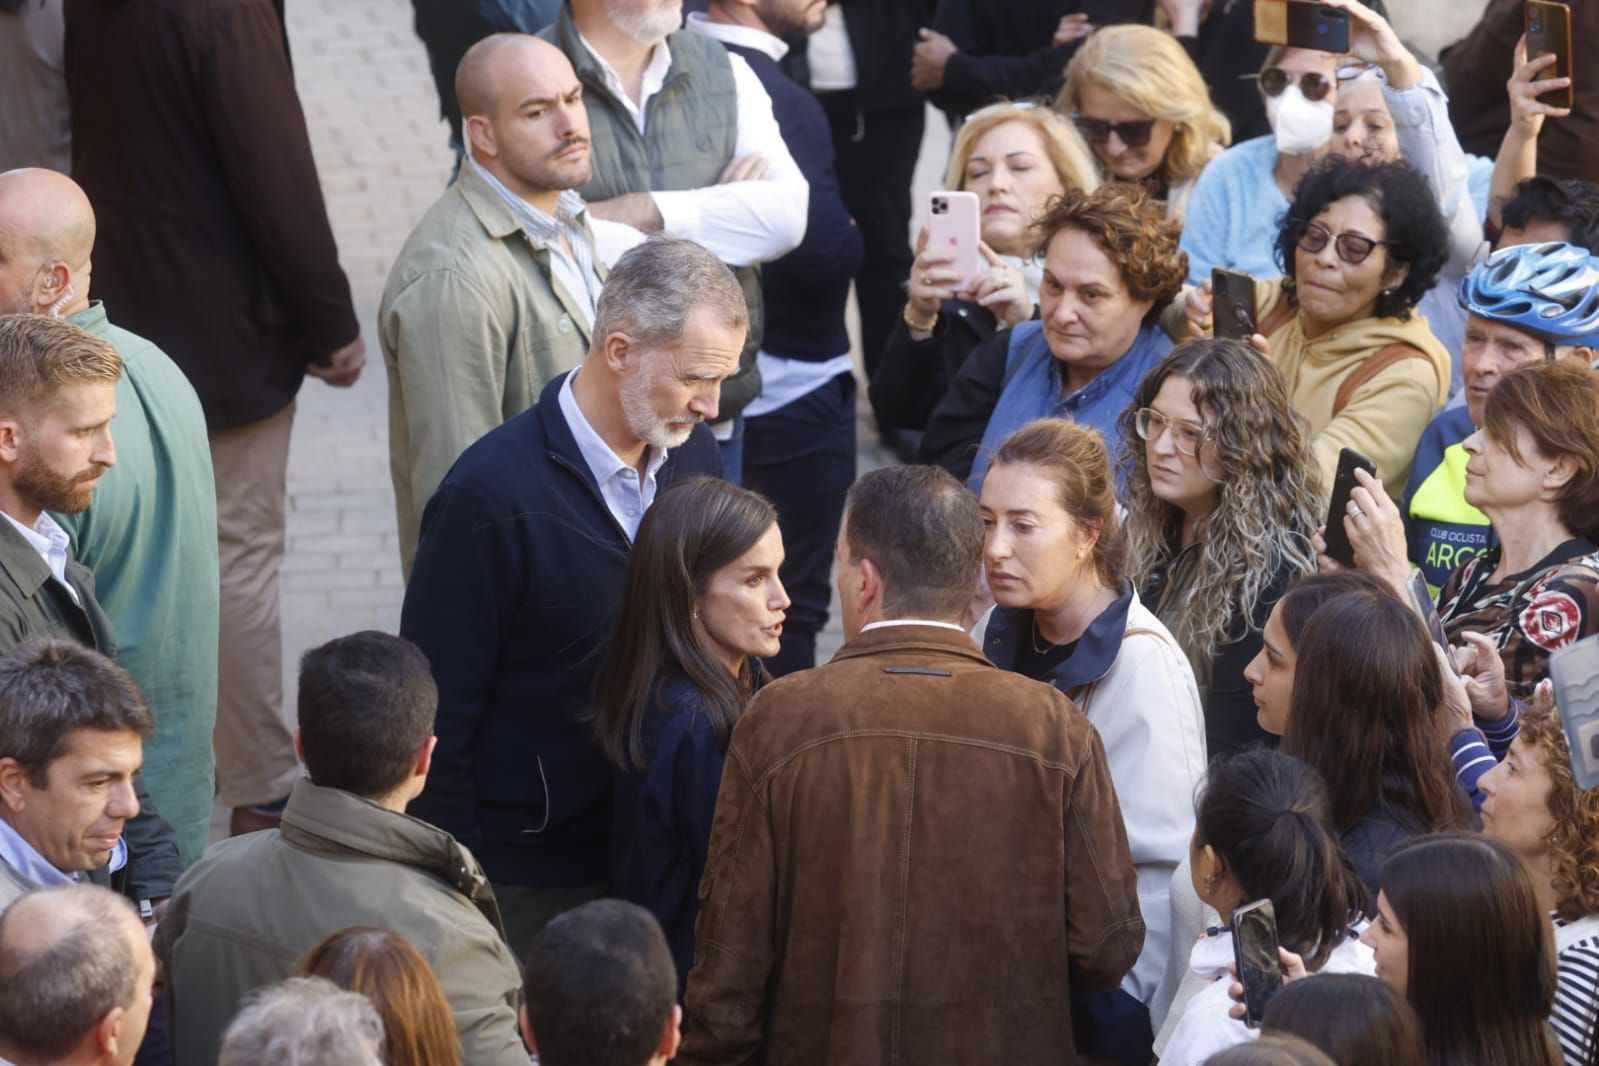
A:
<point x="150" y="534"/>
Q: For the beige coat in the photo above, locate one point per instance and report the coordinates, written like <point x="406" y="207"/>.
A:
<point x="243" y="915"/>
<point x="473" y="325"/>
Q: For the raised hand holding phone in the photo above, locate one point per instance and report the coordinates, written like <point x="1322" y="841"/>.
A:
<point x="1549" y="32"/>
<point x="953" y="228"/>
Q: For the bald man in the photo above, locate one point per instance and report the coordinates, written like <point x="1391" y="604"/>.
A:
<point x="76" y="977"/>
<point x="493" y="294"/>
<point x="149" y="534"/>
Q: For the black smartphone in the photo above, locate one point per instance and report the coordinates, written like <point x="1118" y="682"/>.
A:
<point x="1302" y="24"/>
<point x="1260" y="968"/>
<point x="1549" y="30"/>
<point x="1232" y="303"/>
<point x="1421" y="600"/>
<point x="1344" y="482"/>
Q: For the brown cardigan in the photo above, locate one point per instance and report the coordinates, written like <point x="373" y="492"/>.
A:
<point x="916" y="858"/>
<point x="213" y="240"/>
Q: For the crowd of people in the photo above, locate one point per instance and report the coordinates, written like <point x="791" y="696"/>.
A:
<point x="1111" y="680"/>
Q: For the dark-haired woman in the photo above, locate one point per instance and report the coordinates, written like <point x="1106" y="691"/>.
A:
<point x="1367" y="714"/>
<point x="702" y="604"/>
<point x="1263" y="830"/>
<point x="1223" y="501"/>
<point x="1359" y="247"/>
<point x="1355" y="1019"/>
<point x="1461" y="934"/>
<point x="1110" y="265"/>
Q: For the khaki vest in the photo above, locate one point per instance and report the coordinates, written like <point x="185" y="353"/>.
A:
<point x="690" y="135"/>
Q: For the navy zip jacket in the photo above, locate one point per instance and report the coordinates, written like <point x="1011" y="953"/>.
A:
<point x="513" y="596"/>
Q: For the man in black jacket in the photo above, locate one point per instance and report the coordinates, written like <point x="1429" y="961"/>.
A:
<point x="214" y="244"/>
<point x="520" y="565"/>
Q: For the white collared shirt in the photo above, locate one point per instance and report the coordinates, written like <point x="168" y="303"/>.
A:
<point x="743" y="222"/>
<point x="625" y="497"/>
<point x="887" y="622"/>
<point x="52" y="543"/>
<point x="831" y="58"/>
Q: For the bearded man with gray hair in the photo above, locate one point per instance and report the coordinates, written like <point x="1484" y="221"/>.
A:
<point x="520" y="565"/>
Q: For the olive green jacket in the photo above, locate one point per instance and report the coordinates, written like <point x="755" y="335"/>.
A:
<point x="250" y="908"/>
<point x="473" y="324"/>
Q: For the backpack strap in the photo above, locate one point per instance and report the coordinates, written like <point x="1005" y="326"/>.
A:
<point x="1082" y="694"/>
<point x="1375" y="364"/>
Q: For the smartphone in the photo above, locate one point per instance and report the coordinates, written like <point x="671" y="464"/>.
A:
<point x="1260" y="968"/>
<point x="1574" y="670"/>
<point x="952" y="226"/>
<point x="1302" y="24"/>
<point x="1549" y="30"/>
<point x="1344" y="482"/>
<point x="1232" y="302"/>
<point x="1421" y="600"/>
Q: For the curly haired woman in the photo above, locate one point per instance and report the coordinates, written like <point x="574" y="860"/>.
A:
<point x="1223" y="498"/>
<point x="1533" y="804"/>
<point x="1111" y="265"/>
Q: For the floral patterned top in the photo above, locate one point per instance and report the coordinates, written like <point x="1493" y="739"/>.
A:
<point x="1553" y="603"/>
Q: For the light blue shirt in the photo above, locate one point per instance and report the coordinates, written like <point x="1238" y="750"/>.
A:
<point x="625" y="495"/>
<point x="1234" y="213"/>
<point x="22" y="857"/>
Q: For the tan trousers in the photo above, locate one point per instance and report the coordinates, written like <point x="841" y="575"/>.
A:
<point x="254" y="742"/>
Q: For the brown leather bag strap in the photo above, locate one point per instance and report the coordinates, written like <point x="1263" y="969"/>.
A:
<point x="1278" y="317"/>
<point x="1375" y="364"/>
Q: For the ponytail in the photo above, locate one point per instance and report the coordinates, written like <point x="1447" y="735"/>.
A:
<point x="1266" y="815"/>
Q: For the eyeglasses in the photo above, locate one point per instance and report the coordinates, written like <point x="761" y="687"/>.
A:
<point x="1189" y="437"/>
<point x="1352" y="248"/>
<point x="1098" y="131"/>
<point x="1315" y="86"/>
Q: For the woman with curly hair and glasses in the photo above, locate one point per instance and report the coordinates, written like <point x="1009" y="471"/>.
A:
<point x="1223" y="499"/>
<point x="1141" y="104"/>
<point x="1533" y="804"/>
<point x="1359" y="247"/>
<point x="1111" y="265"/>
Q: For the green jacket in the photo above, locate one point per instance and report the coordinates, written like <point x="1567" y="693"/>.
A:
<point x="473" y="325"/>
<point x="150" y="536"/>
<point x="245" y="913"/>
<point x="34" y="604"/>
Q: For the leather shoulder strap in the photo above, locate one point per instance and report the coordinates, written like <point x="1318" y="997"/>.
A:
<point x="1375" y="364"/>
<point x="1278" y="317"/>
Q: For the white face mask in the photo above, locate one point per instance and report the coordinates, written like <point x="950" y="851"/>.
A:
<point x="1301" y="125"/>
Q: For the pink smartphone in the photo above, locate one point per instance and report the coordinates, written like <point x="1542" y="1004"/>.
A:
<point x="952" y="226"/>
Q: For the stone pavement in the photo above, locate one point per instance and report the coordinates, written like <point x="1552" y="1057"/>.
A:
<point x="381" y="152"/>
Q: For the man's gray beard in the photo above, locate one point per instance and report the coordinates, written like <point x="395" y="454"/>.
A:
<point x="645" y="29"/>
<point x="641" y="416"/>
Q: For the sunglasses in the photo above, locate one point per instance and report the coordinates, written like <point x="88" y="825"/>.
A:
<point x="1098" y="131"/>
<point x="1315" y="86"/>
<point x="1187" y="436"/>
<point x="1352" y="248"/>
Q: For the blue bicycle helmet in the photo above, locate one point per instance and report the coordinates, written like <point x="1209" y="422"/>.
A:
<point x="1550" y="291"/>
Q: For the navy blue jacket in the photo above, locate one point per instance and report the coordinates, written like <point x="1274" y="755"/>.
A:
<point x="663" y="816"/>
<point x="805" y="291"/>
<point x="518" y="575"/>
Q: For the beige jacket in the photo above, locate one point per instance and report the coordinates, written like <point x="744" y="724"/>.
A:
<point x="473" y="325"/>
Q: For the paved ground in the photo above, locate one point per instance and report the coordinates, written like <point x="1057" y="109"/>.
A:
<point x="381" y="151"/>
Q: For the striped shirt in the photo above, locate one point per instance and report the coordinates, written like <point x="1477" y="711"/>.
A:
<point x="1577" y="993"/>
<point x="575" y="267"/>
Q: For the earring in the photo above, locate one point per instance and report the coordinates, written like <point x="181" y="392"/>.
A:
<point x="696" y="616"/>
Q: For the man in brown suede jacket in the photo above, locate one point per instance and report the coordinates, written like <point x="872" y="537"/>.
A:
<point x="916" y="857"/>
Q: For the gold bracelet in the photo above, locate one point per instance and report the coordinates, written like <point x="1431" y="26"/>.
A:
<point x="919" y="327"/>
